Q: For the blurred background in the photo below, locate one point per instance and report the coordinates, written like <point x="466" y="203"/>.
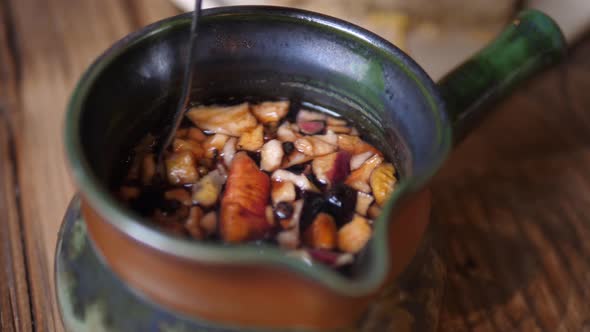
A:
<point x="438" y="34"/>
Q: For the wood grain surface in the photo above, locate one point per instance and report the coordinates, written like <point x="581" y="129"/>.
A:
<point x="513" y="202"/>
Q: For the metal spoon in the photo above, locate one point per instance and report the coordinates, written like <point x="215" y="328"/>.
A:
<point x="187" y="82"/>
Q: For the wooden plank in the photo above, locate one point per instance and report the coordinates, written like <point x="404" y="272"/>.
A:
<point x="15" y="313"/>
<point x="513" y="200"/>
<point x="54" y="49"/>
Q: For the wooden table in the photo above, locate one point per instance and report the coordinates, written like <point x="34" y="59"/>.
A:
<point x="513" y="201"/>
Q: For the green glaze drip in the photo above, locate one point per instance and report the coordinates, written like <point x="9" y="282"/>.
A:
<point x="532" y="42"/>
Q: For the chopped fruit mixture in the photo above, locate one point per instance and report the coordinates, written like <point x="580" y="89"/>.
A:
<point x="248" y="173"/>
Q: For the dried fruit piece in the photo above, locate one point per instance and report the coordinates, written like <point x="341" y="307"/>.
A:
<point x="180" y="195"/>
<point x="128" y="193"/>
<point x="334" y="121"/>
<point x="148" y="168"/>
<point x="196" y="135"/>
<point x="229" y="151"/>
<point x="180" y="167"/>
<point x="193" y="223"/>
<point x="355" y="145"/>
<point x="359" y="178"/>
<point x="243" y="205"/>
<point x="181" y="133"/>
<point x="383" y="182"/>
<point x="270" y="111"/>
<point x="209" y="222"/>
<point x="363" y="201"/>
<point x="374" y="211"/>
<point x="252" y="140"/>
<point x="300" y="180"/>
<point x="331" y="168"/>
<point x="305" y="115"/>
<point x="269" y="213"/>
<point x="311" y="127"/>
<point x="286" y="134"/>
<point x="314" y="146"/>
<point x="188" y="145"/>
<point x="214" y="144"/>
<point x="270" y="131"/>
<point x="353" y="236"/>
<point x="359" y="159"/>
<point x="283" y="211"/>
<point x="329" y="137"/>
<point x="321" y="234"/>
<point x="295" y="158"/>
<point x="331" y="258"/>
<point x="228" y="120"/>
<point x="271" y="155"/>
<point x="295" y="220"/>
<point x="282" y="191"/>
<point x="339" y="129"/>
<point x="206" y="191"/>
<point x="289" y="239"/>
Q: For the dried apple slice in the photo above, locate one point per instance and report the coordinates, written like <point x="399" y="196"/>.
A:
<point x="359" y="179"/>
<point x="252" y="140"/>
<point x="355" y="145"/>
<point x="270" y="111"/>
<point x="358" y="160"/>
<point x="314" y="146"/>
<point x="214" y="144"/>
<point x="363" y="201"/>
<point x="295" y="158"/>
<point x="321" y="234"/>
<point x="206" y="191"/>
<point x="282" y="191"/>
<point x="229" y="151"/>
<point x="228" y="120"/>
<point x="286" y="134"/>
<point x="180" y="168"/>
<point x="188" y="145"/>
<point x="271" y="155"/>
<point x="193" y="223"/>
<point x="243" y="205"/>
<point x="353" y="236"/>
<point x="383" y="182"/>
<point x="300" y="180"/>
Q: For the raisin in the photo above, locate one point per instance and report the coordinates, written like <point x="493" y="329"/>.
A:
<point x="288" y="147"/>
<point x="341" y="203"/>
<point x="283" y="210"/>
<point x="313" y="203"/>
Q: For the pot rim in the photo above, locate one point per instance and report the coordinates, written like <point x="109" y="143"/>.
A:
<point x="99" y="197"/>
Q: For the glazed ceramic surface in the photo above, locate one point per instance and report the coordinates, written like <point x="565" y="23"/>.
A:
<point x="269" y="52"/>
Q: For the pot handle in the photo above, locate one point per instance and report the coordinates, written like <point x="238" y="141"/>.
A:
<point x="531" y="43"/>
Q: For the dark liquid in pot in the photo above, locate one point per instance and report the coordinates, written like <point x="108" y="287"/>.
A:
<point x="273" y="172"/>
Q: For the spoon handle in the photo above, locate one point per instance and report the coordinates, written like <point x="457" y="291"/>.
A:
<point x="187" y="83"/>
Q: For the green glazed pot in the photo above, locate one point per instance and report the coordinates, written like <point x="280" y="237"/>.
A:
<point x="269" y="52"/>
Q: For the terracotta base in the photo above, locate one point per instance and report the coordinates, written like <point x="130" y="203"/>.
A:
<point x="91" y="298"/>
